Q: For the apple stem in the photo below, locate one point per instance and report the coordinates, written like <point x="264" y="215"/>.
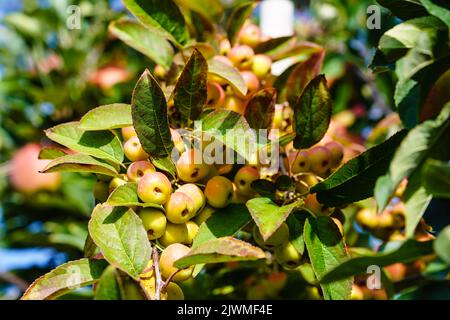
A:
<point x="165" y="284"/>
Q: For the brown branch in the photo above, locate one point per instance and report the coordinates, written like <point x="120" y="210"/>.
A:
<point x="158" y="280"/>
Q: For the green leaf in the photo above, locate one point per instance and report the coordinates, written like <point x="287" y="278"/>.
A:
<point x="111" y="116"/>
<point x="312" y="113"/>
<point x="436" y="178"/>
<point x="326" y="250"/>
<point x="356" y="179"/>
<point x="404" y="9"/>
<point x="50" y="153"/>
<point x="303" y="73"/>
<point x="90" y="248"/>
<point x="211" y="9"/>
<point x="190" y="90"/>
<point x="229" y="74"/>
<point x="270" y="45"/>
<point x="100" y="144"/>
<point x="260" y="109"/>
<point x="409" y="251"/>
<point x="149" y="113"/>
<point x="126" y="196"/>
<point x="220" y="250"/>
<point x="165" y="164"/>
<point x="442" y="245"/>
<point x="139" y="38"/>
<point x="224" y="222"/>
<point x="65" y="278"/>
<point x="120" y="235"/>
<point x="163" y="18"/>
<point x="439" y="9"/>
<point x="237" y="19"/>
<point x="231" y="129"/>
<point x="80" y="163"/>
<point x="296" y="224"/>
<point x="268" y="216"/>
<point x="396" y="42"/>
<point x="264" y="188"/>
<point x="107" y="287"/>
<point x="430" y="136"/>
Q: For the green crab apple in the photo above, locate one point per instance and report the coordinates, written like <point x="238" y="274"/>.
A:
<point x="188" y="169"/>
<point x="261" y="65"/>
<point x="337" y="153"/>
<point x="179" y="208"/>
<point x="299" y="161"/>
<point x="101" y="191"/>
<point x="154" y="188"/>
<point x="244" y="178"/>
<point x="219" y="191"/>
<point x="154" y="222"/>
<point x="196" y="194"/>
<point x="320" y="159"/>
<point x="171" y="254"/>
<point x="175" y="233"/>
<point x="133" y="149"/>
<point x="138" y="169"/>
<point x="128" y="132"/>
<point x="117" y="182"/>
<point x="241" y="56"/>
<point x="287" y="255"/>
<point x="174" y="292"/>
<point x="280" y="236"/>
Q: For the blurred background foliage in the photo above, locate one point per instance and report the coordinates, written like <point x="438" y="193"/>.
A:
<point x="51" y="74"/>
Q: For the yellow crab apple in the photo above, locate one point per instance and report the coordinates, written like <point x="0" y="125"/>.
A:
<point x="316" y="207"/>
<point x="138" y="169"/>
<point x="171" y="254"/>
<point x="241" y="56"/>
<point x="251" y="81"/>
<point x="218" y="192"/>
<point x="244" y="178"/>
<point x="196" y="194"/>
<point x="204" y="215"/>
<point x="319" y="159"/>
<point x="154" y="188"/>
<point x="116" y="182"/>
<point x="179" y="208"/>
<point x="175" y="233"/>
<point x="337" y="153"/>
<point x="133" y="149"/>
<point x="261" y="65"/>
<point x="174" y="292"/>
<point x="191" y="169"/>
<point x="287" y="255"/>
<point x="215" y="95"/>
<point x="299" y="162"/>
<point x="128" y="132"/>
<point x="250" y="35"/>
<point x="192" y="231"/>
<point x="177" y="140"/>
<point x="154" y="222"/>
<point x="233" y="103"/>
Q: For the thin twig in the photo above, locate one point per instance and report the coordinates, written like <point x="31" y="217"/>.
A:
<point x="15" y="280"/>
<point x="158" y="281"/>
<point x="165" y="284"/>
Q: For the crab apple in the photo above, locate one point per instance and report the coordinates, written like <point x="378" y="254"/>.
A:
<point x="367" y="218"/>
<point x="196" y="194"/>
<point x="179" y="208"/>
<point x="223" y="169"/>
<point x="175" y="233"/>
<point x="24" y="172"/>
<point x="204" y="215"/>
<point x="241" y="56"/>
<point x="224" y="47"/>
<point x="224" y="60"/>
<point x="154" y="222"/>
<point x="192" y="231"/>
<point x="177" y="140"/>
<point x="250" y="35"/>
<point x="237" y="197"/>
<point x="287" y="255"/>
<point x="299" y="161"/>
<point x="280" y="236"/>
<point x="174" y="292"/>
<point x="218" y="192"/>
<point x="277" y="120"/>
<point x="315" y="206"/>
<point x="357" y="293"/>
<point x="101" y="191"/>
<point x="128" y="132"/>
<point x="138" y="169"/>
<point x="159" y="72"/>
<point x="171" y="254"/>
<point x="188" y="169"/>
<point x="337" y="153"/>
<point x="320" y="159"/>
<point x="116" y="182"/>
<point x="251" y="81"/>
<point x="216" y="95"/>
<point x="154" y="188"/>
<point x="244" y="178"/>
<point x="235" y="104"/>
<point x="133" y="149"/>
<point x="261" y="65"/>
